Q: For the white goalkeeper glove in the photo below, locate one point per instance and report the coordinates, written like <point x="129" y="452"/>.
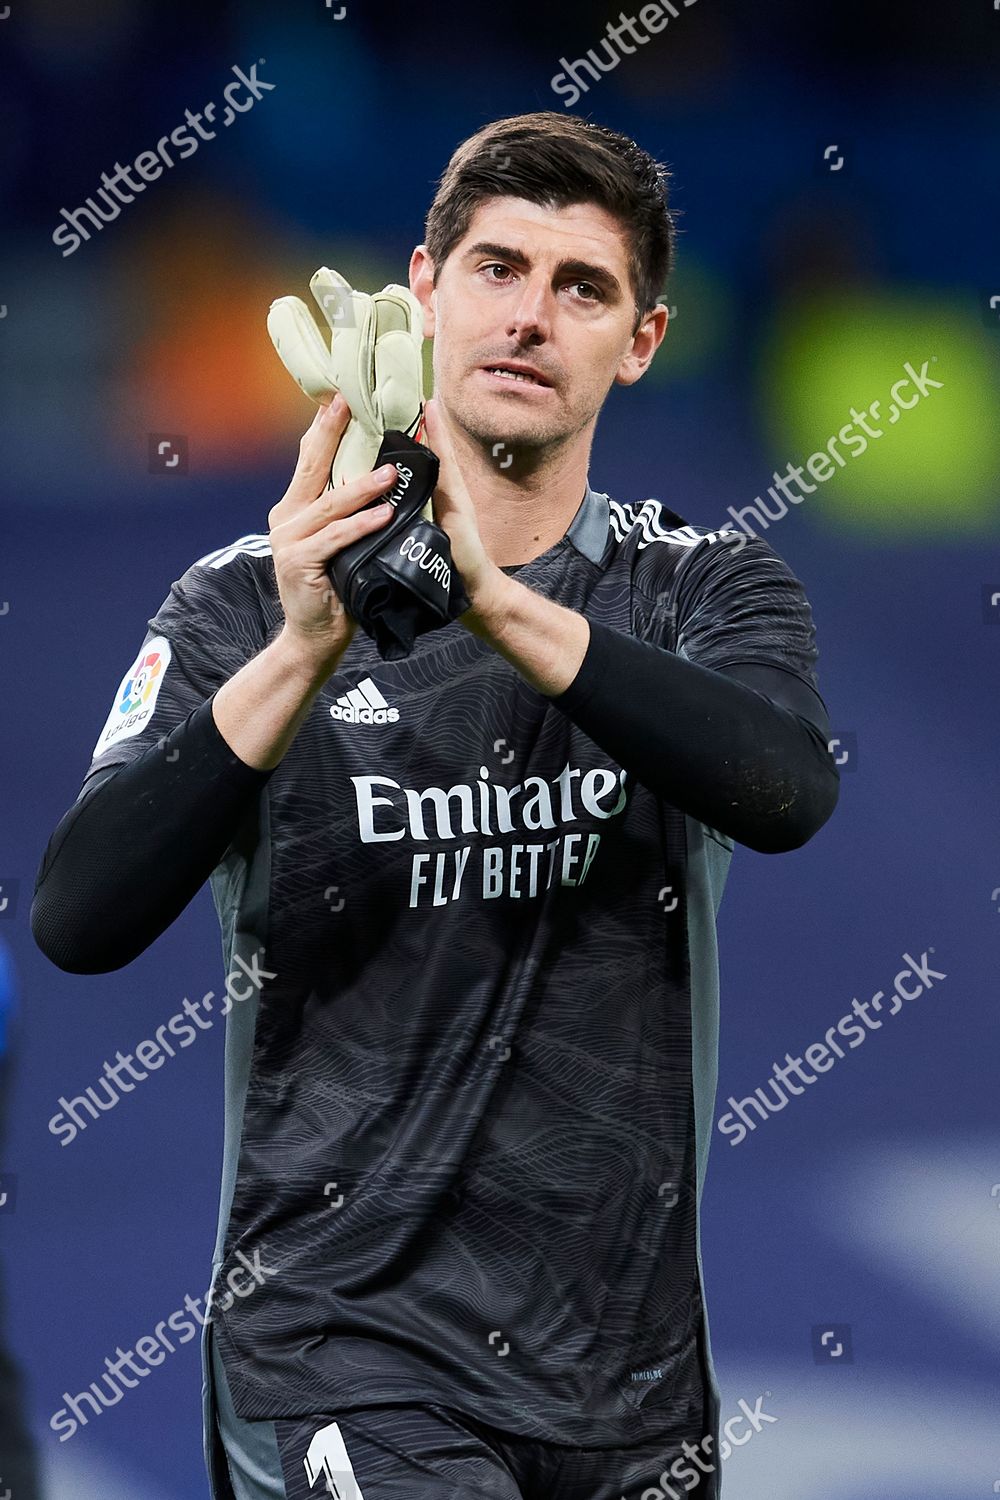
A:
<point x="374" y="359"/>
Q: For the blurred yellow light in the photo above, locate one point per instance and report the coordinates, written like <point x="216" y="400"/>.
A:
<point x="936" y="468"/>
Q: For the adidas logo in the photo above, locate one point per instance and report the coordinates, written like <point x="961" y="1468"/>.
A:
<point x="364" y="704"/>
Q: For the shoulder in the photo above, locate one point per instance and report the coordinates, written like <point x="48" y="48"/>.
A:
<point x="239" y="573"/>
<point x="226" y="595"/>
<point x="650" y="521"/>
<point x="254" y="545"/>
<point x="660" y="543"/>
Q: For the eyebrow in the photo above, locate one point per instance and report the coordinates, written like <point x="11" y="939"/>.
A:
<point x="583" y="269"/>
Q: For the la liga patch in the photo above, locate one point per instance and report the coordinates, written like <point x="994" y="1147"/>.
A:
<point x="137" y="695"/>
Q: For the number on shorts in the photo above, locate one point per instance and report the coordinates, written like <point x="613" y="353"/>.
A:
<point x="327" y="1459"/>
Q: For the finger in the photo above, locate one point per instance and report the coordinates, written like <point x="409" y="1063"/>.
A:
<point x="432" y="426"/>
<point x="329" y="539"/>
<point x="332" y="505"/>
<point x="317" y="450"/>
<point x="299" y="343"/>
<point x="336" y="298"/>
<point x="435" y="435"/>
<point x="439" y="442"/>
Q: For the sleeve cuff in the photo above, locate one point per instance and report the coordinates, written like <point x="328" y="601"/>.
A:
<point x="202" y="740"/>
<point x="593" y="669"/>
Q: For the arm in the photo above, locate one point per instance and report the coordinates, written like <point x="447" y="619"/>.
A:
<point x="754" y="767"/>
<point x="103" y="892"/>
<point x="144" y="835"/>
<point x="747" y="758"/>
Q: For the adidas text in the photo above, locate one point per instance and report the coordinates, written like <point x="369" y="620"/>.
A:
<point x="364" y="704"/>
<point x="351" y="715"/>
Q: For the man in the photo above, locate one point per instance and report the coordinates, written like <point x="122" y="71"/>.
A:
<point x="470" y="1076"/>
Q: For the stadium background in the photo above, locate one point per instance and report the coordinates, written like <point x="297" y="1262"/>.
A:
<point x="870" y="1205"/>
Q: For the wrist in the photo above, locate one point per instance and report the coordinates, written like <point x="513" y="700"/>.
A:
<point x="491" y="605"/>
<point x="306" y="661"/>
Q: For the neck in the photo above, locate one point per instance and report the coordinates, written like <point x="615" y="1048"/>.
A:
<point x="525" y="508"/>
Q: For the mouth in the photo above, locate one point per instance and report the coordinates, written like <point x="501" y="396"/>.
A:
<point x="512" y="374"/>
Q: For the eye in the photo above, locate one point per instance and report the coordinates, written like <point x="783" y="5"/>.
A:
<point x="597" y="294"/>
<point x="495" y="265"/>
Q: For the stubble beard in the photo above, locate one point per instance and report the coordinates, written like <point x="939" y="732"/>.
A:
<point x="484" y="423"/>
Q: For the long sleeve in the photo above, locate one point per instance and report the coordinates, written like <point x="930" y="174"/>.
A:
<point x="747" y="757"/>
<point x="138" y="844"/>
<point x="164" y="794"/>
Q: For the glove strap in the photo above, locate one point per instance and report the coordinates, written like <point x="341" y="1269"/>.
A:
<point x="400" y="582"/>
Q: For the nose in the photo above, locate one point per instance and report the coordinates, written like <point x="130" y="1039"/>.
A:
<point x="530" y="317"/>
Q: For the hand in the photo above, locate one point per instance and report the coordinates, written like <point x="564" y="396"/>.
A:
<point x="310" y="524"/>
<point x="455" y="513"/>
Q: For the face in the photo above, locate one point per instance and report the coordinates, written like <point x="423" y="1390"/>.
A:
<point x="540" y="289"/>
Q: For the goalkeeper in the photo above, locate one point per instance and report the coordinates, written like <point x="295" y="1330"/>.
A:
<point x="469" y="847"/>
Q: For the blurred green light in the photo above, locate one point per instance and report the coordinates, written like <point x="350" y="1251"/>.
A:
<point x="936" y="468"/>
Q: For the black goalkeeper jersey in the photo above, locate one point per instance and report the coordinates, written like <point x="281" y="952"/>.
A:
<point x="470" y="1086"/>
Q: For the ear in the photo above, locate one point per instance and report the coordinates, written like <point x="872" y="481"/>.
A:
<point x="647" y="339"/>
<point x="422" y="285"/>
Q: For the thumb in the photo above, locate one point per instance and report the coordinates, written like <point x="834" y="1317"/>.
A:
<point x="427" y="421"/>
<point x="438" y="436"/>
<point x="439" y="442"/>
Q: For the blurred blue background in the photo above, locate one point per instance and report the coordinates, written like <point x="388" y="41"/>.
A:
<point x="836" y="173"/>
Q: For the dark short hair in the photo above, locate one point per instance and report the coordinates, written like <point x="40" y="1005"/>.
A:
<point x="555" y="160"/>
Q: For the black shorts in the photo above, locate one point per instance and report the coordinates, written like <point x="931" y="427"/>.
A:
<point x="427" y="1452"/>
